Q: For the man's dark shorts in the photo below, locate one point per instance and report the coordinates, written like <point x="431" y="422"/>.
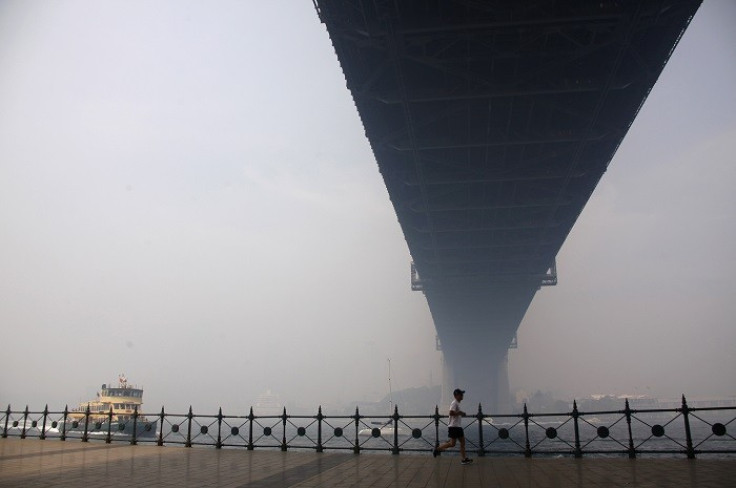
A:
<point x="456" y="432"/>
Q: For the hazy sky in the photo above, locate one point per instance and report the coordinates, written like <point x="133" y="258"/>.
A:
<point x="187" y="196"/>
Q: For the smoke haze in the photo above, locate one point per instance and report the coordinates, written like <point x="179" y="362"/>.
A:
<point x="187" y="196"/>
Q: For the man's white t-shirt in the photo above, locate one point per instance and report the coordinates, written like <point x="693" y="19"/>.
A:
<point x="455" y="420"/>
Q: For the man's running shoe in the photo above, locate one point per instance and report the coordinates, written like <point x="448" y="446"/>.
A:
<point x="466" y="461"/>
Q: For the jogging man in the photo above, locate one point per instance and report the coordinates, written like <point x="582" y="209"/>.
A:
<point x="455" y="428"/>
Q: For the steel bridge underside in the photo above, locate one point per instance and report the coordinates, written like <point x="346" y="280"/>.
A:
<point x="492" y="122"/>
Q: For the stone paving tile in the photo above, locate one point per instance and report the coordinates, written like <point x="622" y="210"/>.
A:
<point x="52" y="463"/>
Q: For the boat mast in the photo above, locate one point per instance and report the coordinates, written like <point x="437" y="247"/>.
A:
<point x="390" y="393"/>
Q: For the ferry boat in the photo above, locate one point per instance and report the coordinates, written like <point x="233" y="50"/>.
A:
<point x="114" y="403"/>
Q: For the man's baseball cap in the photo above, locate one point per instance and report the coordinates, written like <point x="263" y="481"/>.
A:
<point x="458" y="391"/>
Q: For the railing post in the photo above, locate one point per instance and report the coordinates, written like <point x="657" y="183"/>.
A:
<point x="627" y="412"/>
<point x="688" y="435"/>
<point x="108" y="439"/>
<point x="85" y="437"/>
<point x="25" y="420"/>
<point x="7" y="417"/>
<point x="319" y="429"/>
<point x="481" y="450"/>
<point x="63" y="423"/>
<point x="395" y="417"/>
<point x="283" y="431"/>
<point x="219" y="429"/>
<point x="134" y="439"/>
<point x="188" y="443"/>
<point x="161" y="428"/>
<point x="250" y="429"/>
<point x="527" y="446"/>
<point x="43" y="426"/>
<point x="575" y="414"/>
<point x="356" y="446"/>
<point x="436" y="426"/>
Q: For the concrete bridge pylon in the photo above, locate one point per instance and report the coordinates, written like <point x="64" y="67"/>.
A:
<point x="482" y="373"/>
<point x="475" y="328"/>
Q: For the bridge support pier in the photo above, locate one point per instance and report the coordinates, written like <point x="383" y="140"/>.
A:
<point x="475" y="327"/>
<point x="483" y="373"/>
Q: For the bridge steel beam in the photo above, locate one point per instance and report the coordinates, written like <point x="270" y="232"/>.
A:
<point x="492" y="123"/>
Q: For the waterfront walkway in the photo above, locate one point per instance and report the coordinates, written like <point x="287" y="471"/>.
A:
<point x="32" y="463"/>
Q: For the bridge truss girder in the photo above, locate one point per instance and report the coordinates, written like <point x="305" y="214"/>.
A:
<point x="492" y="123"/>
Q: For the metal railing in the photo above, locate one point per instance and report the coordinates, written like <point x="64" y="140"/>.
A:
<point x="628" y="432"/>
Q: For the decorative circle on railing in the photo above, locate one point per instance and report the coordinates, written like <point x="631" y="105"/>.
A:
<point x="121" y="426"/>
<point x="234" y="431"/>
<point x="15" y="423"/>
<point x="98" y="425"/>
<point x="603" y="432"/>
<point x="34" y="424"/>
<point x="75" y="424"/>
<point x="657" y="430"/>
<point x="338" y="431"/>
<point x="416" y="433"/>
<point x="376" y="432"/>
<point x="301" y="431"/>
<point x="551" y="432"/>
<point x="203" y="429"/>
<point x="148" y="427"/>
<point x="267" y="431"/>
<point x="175" y="428"/>
<point x="54" y="424"/>
<point x="719" y="429"/>
<point x="503" y="433"/>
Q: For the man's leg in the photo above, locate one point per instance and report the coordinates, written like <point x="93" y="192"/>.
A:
<point x="446" y="445"/>
<point x="450" y="443"/>
<point x="464" y="459"/>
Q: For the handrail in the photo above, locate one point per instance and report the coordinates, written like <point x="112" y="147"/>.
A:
<point x="687" y="431"/>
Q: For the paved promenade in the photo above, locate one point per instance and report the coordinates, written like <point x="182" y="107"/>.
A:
<point x="34" y="463"/>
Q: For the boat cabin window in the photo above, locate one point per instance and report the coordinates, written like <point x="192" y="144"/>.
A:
<point x="117" y="392"/>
